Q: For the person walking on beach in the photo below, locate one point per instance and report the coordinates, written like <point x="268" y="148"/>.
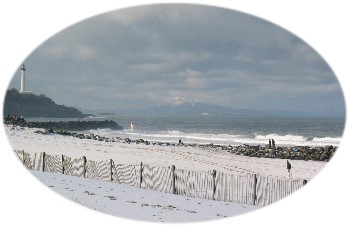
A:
<point x="269" y="144"/>
<point x="289" y="168"/>
<point x="273" y="142"/>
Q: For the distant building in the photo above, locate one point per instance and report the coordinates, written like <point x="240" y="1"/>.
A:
<point x="23" y="91"/>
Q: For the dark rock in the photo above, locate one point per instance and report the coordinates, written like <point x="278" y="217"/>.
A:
<point x="69" y="125"/>
<point x="41" y="132"/>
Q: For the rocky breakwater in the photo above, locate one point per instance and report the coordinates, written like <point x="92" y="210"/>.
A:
<point x="295" y="153"/>
<point x="68" y="125"/>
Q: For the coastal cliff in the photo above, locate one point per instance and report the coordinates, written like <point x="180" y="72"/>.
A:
<point x="31" y="105"/>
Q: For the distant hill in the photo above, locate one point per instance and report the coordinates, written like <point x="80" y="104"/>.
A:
<point x="31" y="105"/>
<point x="189" y="107"/>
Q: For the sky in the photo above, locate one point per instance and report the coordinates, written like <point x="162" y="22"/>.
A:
<point x="145" y="56"/>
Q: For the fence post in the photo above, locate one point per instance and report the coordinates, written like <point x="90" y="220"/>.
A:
<point x="34" y="161"/>
<point x="173" y="168"/>
<point x="85" y="160"/>
<point x="111" y="170"/>
<point x="23" y="160"/>
<point x="63" y="164"/>
<point x="43" y="161"/>
<point x="254" y="189"/>
<point x="140" y="174"/>
<point x="214" y="174"/>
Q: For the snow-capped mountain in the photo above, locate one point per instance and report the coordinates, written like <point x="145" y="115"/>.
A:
<point x="177" y="101"/>
<point x="179" y="106"/>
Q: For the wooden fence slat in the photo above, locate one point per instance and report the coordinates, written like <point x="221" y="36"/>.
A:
<point x="126" y="174"/>
<point x="247" y="189"/>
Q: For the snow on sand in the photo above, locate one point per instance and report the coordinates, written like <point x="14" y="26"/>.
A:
<point x="187" y="158"/>
<point x="139" y="204"/>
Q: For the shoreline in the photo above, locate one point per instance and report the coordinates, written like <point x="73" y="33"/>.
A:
<point x="191" y="157"/>
<point x="315" y="153"/>
<point x="216" y="131"/>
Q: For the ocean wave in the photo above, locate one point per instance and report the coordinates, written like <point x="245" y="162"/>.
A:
<point x="287" y="137"/>
<point x="327" y="139"/>
<point x="232" y="139"/>
<point x="103" y="132"/>
<point x="174" y="132"/>
<point x="95" y="117"/>
<point x="189" y="136"/>
<point x="297" y="138"/>
<point x="309" y="138"/>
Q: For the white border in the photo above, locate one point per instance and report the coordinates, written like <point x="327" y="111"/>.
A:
<point x="26" y="24"/>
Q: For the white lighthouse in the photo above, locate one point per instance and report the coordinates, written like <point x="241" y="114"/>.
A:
<point x="23" y="80"/>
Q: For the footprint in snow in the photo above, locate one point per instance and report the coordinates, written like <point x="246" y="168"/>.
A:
<point x="89" y="193"/>
<point x="111" y="197"/>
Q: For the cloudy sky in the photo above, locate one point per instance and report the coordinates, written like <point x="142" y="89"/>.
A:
<point x="145" y="56"/>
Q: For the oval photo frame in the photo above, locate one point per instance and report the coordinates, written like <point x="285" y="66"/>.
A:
<point x="198" y="77"/>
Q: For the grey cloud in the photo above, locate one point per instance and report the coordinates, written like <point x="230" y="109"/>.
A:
<point x="148" y="54"/>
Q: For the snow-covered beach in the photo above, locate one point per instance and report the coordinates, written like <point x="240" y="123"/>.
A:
<point x="154" y="206"/>
<point x="124" y="201"/>
<point x="188" y="158"/>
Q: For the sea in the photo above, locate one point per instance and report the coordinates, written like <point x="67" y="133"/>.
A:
<point x="285" y="130"/>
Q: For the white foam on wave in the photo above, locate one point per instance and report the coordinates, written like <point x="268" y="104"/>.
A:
<point x="225" y="139"/>
<point x="95" y="117"/>
<point x="327" y="139"/>
<point x="300" y="140"/>
<point x="104" y="132"/>
<point x="188" y="136"/>
<point x="287" y="137"/>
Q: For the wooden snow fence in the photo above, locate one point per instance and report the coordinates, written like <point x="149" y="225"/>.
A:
<point x="73" y="166"/>
<point x="98" y="170"/>
<point x="30" y="161"/>
<point x="126" y="174"/>
<point x="270" y="190"/>
<point x="250" y="189"/>
<point x="235" y="188"/>
<point x="52" y="163"/>
<point x="157" y="178"/>
<point x="194" y="184"/>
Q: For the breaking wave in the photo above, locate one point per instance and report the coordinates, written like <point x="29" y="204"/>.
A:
<point x="226" y="139"/>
